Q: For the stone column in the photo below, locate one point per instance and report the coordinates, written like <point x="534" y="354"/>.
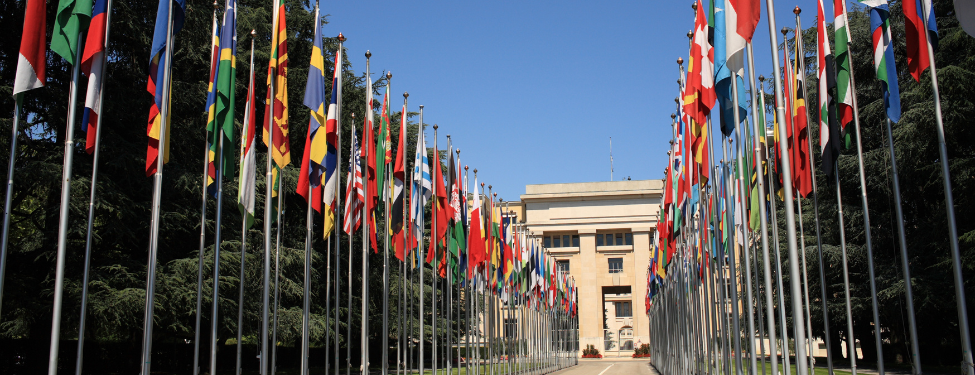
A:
<point x="641" y="255"/>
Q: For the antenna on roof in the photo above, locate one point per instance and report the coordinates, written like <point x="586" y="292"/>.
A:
<point x="611" y="158"/>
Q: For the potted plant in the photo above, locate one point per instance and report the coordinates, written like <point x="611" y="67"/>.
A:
<point x="642" y="352"/>
<point x="591" y="352"/>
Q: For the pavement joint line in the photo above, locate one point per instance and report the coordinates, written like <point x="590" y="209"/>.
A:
<point x="607" y="369"/>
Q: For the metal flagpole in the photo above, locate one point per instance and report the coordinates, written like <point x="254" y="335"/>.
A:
<point x="309" y="225"/>
<point x="215" y="324"/>
<point x="434" y="173"/>
<point x="91" y="202"/>
<point x="762" y="206"/>
<point x="783" y="325"/>
<point x="731" y="248"/>
<point x="156" y="203"/>
<point x="18" y="107"/>
<point x="348" y="325"/>
<point x="243" y="235"/>
<point x="799" y="324"/>
<point x="747" y="256"/>
<point x="277" y="276"/>
<point x="268" y="192"/>
<point x="364" y="322"/>
<point x="337" y="221"/>
<point x="65" y="206"/>
<point x="419" y="261"/>
<point x="966" y="339"/>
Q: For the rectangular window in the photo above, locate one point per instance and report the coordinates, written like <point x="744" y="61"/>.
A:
<point x="548" y="242"/>
<point x="556" y="241"/>
<point x="609" y="239"/>
<point x="623" y="310"/>
<point x="599" y="239"/>
<point x="619" y="239"/>
<point x="575" y="240"/>
<point x="566" y="242"/>
<point x="615" y="265"/>
<point x="614" y="239"/>
<point x="629" y="239"/>
<point x="563" y="266"/>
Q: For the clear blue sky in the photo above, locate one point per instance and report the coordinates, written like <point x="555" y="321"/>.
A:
<point x="531" y="91"/>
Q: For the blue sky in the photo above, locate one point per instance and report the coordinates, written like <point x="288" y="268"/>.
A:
<point x="532" y="91"/>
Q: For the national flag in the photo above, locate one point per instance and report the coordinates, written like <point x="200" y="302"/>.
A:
<point x="455" y="225"/>
<point x="829" y="131"/>
<point x="313" y="160"/>
<point x="276" y="109"/>
<point x="157" y="62"/>
<point x="919" y="22"/>
<point x="801" y="171"/>
<point x="699" y="95"/>
<point x="354" y="197"/>
<point x="883" y="56"/>
<point x="844" y="74"/>
<point x="420" y="185"/>
<point x="475" y="241"/>
<point x="729" y="57"/>
<point x="211" y="105"/>
<point x="32" y="62"/>
<point x="399" y="176"/>
<point x="368" y="154"/>
<point x="93" y="63"/>
<point x="220" y="156"/>
<point x="248" y="158"/>
<point x="747" y="13"/>
<point x="438" y="223"/>
<point x="383" y="149"/>
<point x="71" y="20"/>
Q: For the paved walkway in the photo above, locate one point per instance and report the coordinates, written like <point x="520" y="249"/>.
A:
<point x="609" y="367"/>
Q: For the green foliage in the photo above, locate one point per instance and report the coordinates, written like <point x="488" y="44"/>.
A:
<point x="123" y="206"/>
<point x="922" y="193"/>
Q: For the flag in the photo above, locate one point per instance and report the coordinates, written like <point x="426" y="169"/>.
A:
<point x="313" y="160"/>
<point x="248" y="158"/>
<point x="729" y="57"/>
<point x="382" y="148"/>
<point x="211" y="105"/>
<point x="420" y="185"/>
<point x="699" y="95"/>
<point x="475" y="242"/>
<point x="399" y="175"/>
<point x="92" y="63"/>
<point x="71" y="20"/>
<point x="276" y="108"/>
<point x="455" y="225"/>
<point x="965" y="12"/>
<point x="439" y="220"/>
<point x="221" y="157"/>
<point x="354" y="198"/>
<point x="801" y="171"/>
<point x="829" y="132"/>
<point x="747" y="13"/>
<point x="918" y="21"/>
<point x="883" y="56"/>
<point x="844" y="74"/>
<point x="157" y="62"/>
<point x="31" y="62"/>
<point x="369" y="175"/>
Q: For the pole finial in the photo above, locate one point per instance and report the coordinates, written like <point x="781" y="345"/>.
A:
<point x="253" y="33"/>
<point x="694" y="5"/>
<point x="797" y="10"/>
<point x="216" y="5"/>
<point x="341" y="38"/>
<point x="680" y="61"/>
<point x="353" y="115"/>
<point x="761" y="78"/>
<point x="458" y="151"/>
<point x="435" y="126"/>
<point x="421" y="106"/>
<point x="406" y="95"/>
<point x="690" y="34"/>
<point x="466" y="168"/>
<point x="389" y="75"/>
<point x="785" y="30"/>
<point x="368" y="54"/>
<point x="673" y="116"/>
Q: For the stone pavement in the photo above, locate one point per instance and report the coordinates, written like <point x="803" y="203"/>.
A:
<point x="622" y="366"/>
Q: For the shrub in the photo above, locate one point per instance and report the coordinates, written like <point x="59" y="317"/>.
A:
<point x="591" y="352"/>
<point x="642" y="352"/>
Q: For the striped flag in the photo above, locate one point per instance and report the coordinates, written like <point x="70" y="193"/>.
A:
<point x="313" y="160"/>
<point x="383" y="151"/>
<point x="729" y="57"/>
<point x="801" y="160"/>
<point x="331" y="178"/>
<point x="92" y="63"/>
<point x="919" y="24"/>
<point x="222" y="156"/>
<point x="211" y="104"/>
<point x="844" y="80"/>
<point x="829" y="132"/>
<point x="31" y="63"/>
<point x="883" y="56"/>
<point x="248" y="158"/>
<point x="421" y="185"/>
<point x="157" y="62"/>
<point x="354" y="197"/>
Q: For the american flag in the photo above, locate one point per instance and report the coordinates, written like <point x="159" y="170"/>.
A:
<point x="354" y="196"/>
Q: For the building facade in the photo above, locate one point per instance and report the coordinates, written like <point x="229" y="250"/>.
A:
<point x="600" y="233"/>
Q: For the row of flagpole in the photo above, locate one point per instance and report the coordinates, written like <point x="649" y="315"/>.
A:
<point x="545" y="337"/>
<point x="694" y="236"/>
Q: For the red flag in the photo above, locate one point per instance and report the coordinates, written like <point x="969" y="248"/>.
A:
<point x="748" y="12"/>
<point x="440" y="214"/>
<point x="303" y="183"/>
<point x="31" y="64"/>
<point x="372" y="191"/>
<point x="699" y="96"/>
<point x="917" y="43"/>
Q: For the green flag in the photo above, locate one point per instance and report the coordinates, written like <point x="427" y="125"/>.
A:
<point x="72" y="18"/>
<point x="226" y="83"/>
<point x="383" y="152"/>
